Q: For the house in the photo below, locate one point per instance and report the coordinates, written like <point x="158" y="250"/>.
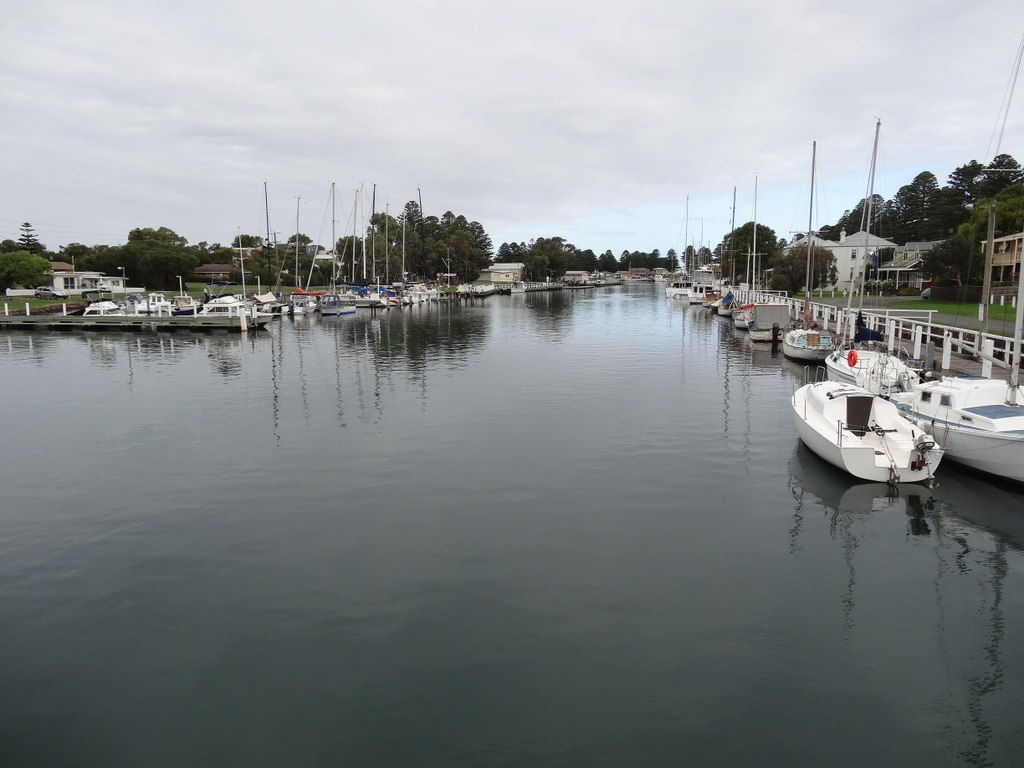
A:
<point x="502" y="273"/>
<point x="77" y="282"/>
<point x="576" y="277"/>
<point x="905" y="268"/>
<point x="216" y="271"/>
<point x="853" y="256"/>
<point x="1006" y="252"/>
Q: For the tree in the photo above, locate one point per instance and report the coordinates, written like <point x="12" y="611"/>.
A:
<point x="789" y="270"/>
<point x="738" y="245"/>
<point x="28" y="240"/>
<point x="953" y="261"/>
<point x="1001" y="173"/>
<point x="21" y="269"/>
<point x="911" y="210"/>
<point x="606" y="262"/>
<point x="153" y="258"/>
<point x="240" y="241"/>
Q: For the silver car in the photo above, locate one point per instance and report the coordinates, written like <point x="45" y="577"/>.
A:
<point x="49" y="292"/>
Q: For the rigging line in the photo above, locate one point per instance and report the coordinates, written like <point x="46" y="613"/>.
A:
<point x="1004" y="107"/>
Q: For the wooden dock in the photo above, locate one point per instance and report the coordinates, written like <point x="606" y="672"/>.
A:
<point x="133" y="323"/>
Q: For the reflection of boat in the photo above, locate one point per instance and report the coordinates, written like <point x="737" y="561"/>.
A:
<point x="980" y="421"/>
<point x="862" y="434"/>
<point x="840" y="493"/>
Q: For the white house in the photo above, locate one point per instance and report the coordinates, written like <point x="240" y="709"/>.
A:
<point x="853" y="255"/>
<point x="76" y="282"/>
<point x="502" y="273"/>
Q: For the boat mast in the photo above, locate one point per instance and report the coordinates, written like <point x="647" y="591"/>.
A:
<point x="686" y="239"/>
<point x="753" y="245"/>
<point x="298" y="281"/>
<point x="810" y="218"/>
<point x="865" y="225"/>
<point x="732" y="236"/>
<point x="334" y="244"/>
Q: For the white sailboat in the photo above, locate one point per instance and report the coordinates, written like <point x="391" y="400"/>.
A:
<point x="862" y="434"/>
<point x="809" y="343"/>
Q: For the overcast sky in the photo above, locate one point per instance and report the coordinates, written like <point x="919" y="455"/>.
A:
<point x="589" y="120"/>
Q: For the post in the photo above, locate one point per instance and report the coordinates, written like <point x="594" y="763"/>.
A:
<point x="947" y="350"/>
<point x="988" y="347"/>
<point x="987" y="281"/>
<point x="918" y="330"/>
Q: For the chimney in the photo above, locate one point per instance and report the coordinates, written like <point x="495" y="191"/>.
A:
<point x="842" y="236"/>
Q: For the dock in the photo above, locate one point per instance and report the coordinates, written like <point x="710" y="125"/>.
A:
<point x="133" y="323"/>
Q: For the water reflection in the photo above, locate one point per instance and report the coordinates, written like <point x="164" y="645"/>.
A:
<point x="967" y="528"/>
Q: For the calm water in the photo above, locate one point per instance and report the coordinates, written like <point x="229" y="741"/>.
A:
<point x="548" y="530"/>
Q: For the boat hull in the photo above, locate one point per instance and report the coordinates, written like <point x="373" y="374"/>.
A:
<point x="810" y="346"/>
<point x="977" y="428"/>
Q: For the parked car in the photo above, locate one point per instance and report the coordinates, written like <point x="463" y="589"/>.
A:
<point x="49" y="292"/>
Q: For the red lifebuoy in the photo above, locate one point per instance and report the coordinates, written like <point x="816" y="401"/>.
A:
<point x="851" y="357"/>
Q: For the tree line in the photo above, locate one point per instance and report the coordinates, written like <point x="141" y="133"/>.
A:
<point x="954" y="216"/>
<point x="412" y="245"/>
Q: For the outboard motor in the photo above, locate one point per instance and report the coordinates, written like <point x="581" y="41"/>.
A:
<point x="776" y="335"/>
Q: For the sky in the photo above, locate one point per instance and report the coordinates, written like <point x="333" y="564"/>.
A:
<point x="616" y="126"/>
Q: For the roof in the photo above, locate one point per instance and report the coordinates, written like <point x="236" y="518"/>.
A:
<point x="907" y="262"/>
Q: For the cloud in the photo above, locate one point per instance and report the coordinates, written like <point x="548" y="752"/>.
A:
<point x="592" y="122"/>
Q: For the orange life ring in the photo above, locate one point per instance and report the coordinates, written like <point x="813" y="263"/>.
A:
<point x="851" y="357"/>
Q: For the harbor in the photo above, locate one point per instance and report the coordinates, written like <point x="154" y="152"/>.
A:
<point x="423" y="536"/>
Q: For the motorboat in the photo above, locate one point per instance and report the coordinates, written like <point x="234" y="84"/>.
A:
<point x="863" y="434"/>
<point x="979" y="420"/>
<point x="153" y="303"/>
<point x="331" y="304"/>
<point x="767" y="322"/>
<point x="104" y="309"/>
<point x="679" y="288"/>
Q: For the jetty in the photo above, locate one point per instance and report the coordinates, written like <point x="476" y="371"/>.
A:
<point x="240" y="323"/>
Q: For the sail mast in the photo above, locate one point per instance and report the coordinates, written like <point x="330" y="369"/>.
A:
<point x="810" y="217"/>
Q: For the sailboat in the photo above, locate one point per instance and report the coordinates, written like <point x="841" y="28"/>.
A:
<point x="866" y="362"/>
<point x="862" y="434"/>
<point x="810" y="342"/>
